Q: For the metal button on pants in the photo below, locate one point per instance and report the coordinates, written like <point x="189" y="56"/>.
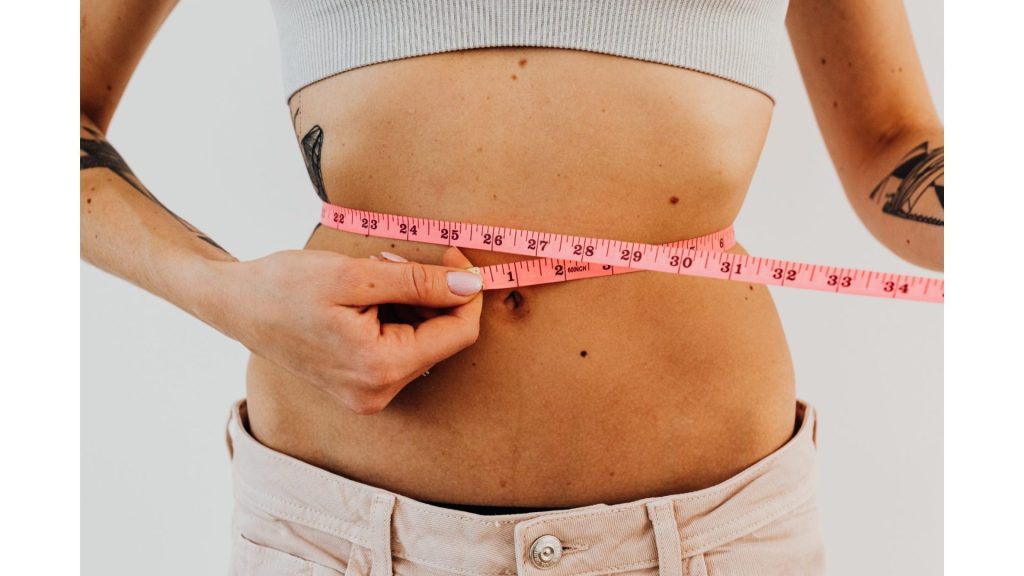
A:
<point x="546" y="551"/>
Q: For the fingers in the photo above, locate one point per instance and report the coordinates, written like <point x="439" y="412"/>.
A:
<point x="414" y="313"/>
<point x="454" y="258"/>
<point x="376" y="282"/>
<point x="417" y="348"/>
<point x="414" y="349"/>
<point x="398" y="353"/>
<point x="398" y="312"/>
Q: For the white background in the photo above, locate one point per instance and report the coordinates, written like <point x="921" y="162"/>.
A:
<point x="204" y="124"/>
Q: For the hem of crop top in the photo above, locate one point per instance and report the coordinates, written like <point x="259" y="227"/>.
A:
<point x="733" y="41"/>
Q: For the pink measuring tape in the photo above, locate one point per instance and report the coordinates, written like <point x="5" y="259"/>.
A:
<point x="559" y="258"/>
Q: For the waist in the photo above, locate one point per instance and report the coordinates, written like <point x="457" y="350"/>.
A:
<point x="663" y="382"/>
<point x="667" y="383"/>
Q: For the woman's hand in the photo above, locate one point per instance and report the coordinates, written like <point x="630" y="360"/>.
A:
<point x="315" y="313"/>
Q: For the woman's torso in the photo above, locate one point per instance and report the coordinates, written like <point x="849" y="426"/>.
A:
<point x="601" y="390"/>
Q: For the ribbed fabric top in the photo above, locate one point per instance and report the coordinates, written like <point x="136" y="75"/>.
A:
<point x="732" y="39"/>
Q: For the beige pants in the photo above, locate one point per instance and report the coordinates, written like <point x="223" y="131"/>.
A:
<point x="294" y="518"/>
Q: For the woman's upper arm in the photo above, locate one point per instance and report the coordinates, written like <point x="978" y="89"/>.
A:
<point x="113" y="35"/>
<point x="862" y="74"/>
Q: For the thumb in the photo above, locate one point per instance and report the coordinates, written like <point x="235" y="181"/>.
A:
<point x="379" y="282"/>
<point x="454" y="258"/>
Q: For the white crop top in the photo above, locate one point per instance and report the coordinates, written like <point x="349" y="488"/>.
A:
<point x="732" y="39"/>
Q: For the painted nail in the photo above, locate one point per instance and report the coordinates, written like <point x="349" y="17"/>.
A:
<point x="393" y="257"/>
<point x="465" y="283"/>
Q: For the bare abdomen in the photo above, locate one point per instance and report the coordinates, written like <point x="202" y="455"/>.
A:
<point x="600" y="390"/>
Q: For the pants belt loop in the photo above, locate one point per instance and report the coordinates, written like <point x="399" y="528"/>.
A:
<point x="229" y="433"/>
<point x="666" y="535"/>
<point x="380" y="534"/>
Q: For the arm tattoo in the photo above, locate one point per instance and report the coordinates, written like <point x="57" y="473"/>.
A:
<point x="312" y="143"/>
<point x="98" y="153"/>
<point x="914" y="190"/>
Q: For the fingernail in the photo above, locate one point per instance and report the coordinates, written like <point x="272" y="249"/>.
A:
<point x="372" y="257"/>
<point x="393" y="257"/>
<point x="465" y="283"/>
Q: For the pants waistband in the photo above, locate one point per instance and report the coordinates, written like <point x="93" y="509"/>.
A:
<point x="600" y="538"/>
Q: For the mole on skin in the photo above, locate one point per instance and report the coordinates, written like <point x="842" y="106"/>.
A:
<point x="583" y="353"/>
<point x="673" y="200"/>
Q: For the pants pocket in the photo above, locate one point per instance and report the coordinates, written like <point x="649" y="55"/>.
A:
<point x="252" y="559"/>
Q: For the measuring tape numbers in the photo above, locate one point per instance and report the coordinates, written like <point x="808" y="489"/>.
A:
<point x="560" y="258"/>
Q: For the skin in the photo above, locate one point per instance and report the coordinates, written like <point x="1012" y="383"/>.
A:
<point x="558" y="395"/>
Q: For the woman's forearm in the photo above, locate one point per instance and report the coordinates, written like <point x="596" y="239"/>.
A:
<point x="898" y="193"/>
<point x="126" y="231"/>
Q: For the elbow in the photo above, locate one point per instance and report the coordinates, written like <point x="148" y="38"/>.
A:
<point x="94" y="117"/>
<point x="930" y="256"/>
<point x="900" y="195"/>
<point x="96" y="107"/>
<point x="921" y="244"/>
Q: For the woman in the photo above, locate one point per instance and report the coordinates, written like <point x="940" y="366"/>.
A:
<point x="610" y="391"/>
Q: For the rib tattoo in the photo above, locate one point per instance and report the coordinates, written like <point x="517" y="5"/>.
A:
<point x="312" y="143"/>
<point x="914" y="190"/>
<point x="98" y="153"/>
